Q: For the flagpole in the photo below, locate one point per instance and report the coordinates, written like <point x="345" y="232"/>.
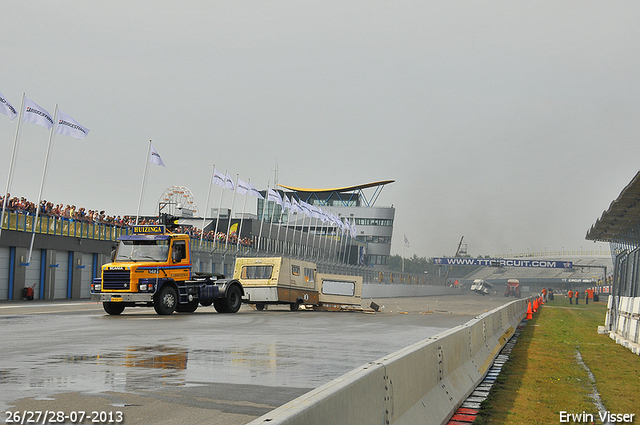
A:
<point x="264" y="207"/>
<point x="215" y="231"/>
<point x="349" y="247"/>
<point x="403" y="245"/>
<point x="244" y="204"/>
<point x="280" y="225"/>
<point x="206" y="207"/>
<point x="44" y="173"/>
<point x="12" y="163"/>
<point x="309" y="232"/>
<point x="233" y="201"/>
<point x="286" y="232"/>
<point x="144" y="177"/>
<point x="271" y="219"/>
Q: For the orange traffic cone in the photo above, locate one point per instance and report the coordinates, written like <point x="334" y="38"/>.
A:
<point x="535" y="306"/>
<point x="541" y="300"/>
<point x="529" y="312"/>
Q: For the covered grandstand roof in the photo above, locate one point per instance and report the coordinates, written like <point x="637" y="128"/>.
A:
<point x="620" y="223"/>
<point x="340" y="189"/>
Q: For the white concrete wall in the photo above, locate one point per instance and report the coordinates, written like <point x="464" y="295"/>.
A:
<point x="421" y="384"/>
<point x="626" y="331"/>
<point x="390" y="290"/>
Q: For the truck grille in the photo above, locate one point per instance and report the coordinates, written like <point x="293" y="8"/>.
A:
<point x="115" y="280"/>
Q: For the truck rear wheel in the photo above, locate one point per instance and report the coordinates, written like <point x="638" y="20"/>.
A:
<point x="113" y="309"/>
<point x="231" y="303"/>
<point x="166" y="300"/>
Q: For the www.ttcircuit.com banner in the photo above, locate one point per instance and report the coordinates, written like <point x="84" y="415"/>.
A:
<point x="503" y="262"/>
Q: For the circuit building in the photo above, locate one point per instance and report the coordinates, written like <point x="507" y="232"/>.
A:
<point x="374" y="224"/>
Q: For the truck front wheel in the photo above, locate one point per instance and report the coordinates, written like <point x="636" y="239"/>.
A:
<point x="166" y="300"/>
<point x="113" y="309"/>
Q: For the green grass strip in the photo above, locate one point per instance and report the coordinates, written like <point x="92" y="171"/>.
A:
<point x="543" y="378"/>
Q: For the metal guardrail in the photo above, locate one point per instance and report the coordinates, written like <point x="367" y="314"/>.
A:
<point x="61" y="226"/>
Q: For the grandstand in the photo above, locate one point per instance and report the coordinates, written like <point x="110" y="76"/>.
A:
<point x="587" y="272"/>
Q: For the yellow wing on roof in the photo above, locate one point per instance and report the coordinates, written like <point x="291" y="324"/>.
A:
<point x="339" y="189"/>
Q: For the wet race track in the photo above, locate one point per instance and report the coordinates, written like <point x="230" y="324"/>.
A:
<point x="202" y="367"/>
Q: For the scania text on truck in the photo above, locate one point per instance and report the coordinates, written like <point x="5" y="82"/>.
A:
<point x="152" y="268"/>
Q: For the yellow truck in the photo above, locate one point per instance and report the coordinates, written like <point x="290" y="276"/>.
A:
<point x="152" y="268"/>
<point x="281" y="280"/>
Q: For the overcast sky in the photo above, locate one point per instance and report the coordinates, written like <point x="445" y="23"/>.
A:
<point x="513" y="124"/>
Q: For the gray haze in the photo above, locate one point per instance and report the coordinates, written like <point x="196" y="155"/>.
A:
<point x="513" y="124"/>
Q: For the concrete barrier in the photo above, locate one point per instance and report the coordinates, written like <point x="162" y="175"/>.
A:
<point x="390" y="290"/>
<point x="420" y="384"/>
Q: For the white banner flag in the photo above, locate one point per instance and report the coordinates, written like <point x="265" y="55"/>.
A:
<point x="254" y="192"/>
<point x="218" y="178"/>
<point x="69" y="127"/>
<point x="228" y="182"/>
<point x="6" y="108"/>
<point x="243" y="187"/>
<point x="155" y="158"/>
<point x="274" y="196"/>
<point x="295" y="206"/>
<point x="36" y="114"/>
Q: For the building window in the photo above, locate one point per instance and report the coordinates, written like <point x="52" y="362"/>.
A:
<point x="374" y="222"/>
<point x="378" y="260"/>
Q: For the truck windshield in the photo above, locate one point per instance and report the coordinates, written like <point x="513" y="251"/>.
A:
<point x="154" y="250"/>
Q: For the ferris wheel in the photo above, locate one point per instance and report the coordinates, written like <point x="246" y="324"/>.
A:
<point x="177" y="201"/>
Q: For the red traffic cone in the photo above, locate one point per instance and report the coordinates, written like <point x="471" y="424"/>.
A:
<point x="529" y="312"/>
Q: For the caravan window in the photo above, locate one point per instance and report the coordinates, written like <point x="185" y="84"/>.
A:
<point x="295" y="270"/>
<point x="256" y="272"/>
<point x="309" y="274"/>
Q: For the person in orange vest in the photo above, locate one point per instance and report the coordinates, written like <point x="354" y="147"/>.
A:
<point x="544" y="294"/>
<point x="570" y="295"/>
<point x="589" y="295"/>
<point x="577" y="295"/>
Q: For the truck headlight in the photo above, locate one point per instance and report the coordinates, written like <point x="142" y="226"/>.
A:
<point x="95" y="287"/>
<point x="144" y="287"/>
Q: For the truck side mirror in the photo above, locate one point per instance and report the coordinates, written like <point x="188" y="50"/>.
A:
<point x="113" y="253"/>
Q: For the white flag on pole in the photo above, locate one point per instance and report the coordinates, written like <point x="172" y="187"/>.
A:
<point x="243" y="187"/>
<point x="155" y="158"/>
<point x="69" y="127"/>
<point x="295" y="205"/>
<point x="274" y="197"/>
<point x="218" y="178"/>
<point x="7" y="109"/>
<point x="306" y="208"/>
<point x="228" y="182"/>
<point x="287" y="203"/>
<point x="406" y="241"/>
<point x="255" y="192"/>
<point x="36" y="114"/>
